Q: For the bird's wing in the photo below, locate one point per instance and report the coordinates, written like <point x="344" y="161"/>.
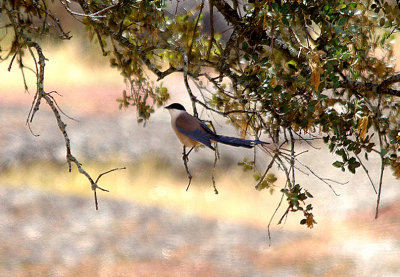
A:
<point x="208" y="130"/>
<point x="194" y="129"/>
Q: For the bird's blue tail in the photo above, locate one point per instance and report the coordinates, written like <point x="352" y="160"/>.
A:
<point x="238" y="142"/>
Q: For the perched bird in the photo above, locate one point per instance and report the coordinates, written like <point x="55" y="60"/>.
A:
<point x="191" y="131"/>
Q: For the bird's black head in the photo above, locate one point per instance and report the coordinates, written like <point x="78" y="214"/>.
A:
<point x="176" y="106"/>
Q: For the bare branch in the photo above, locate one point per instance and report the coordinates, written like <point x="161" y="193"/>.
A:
<point x="90" y="15"/>
<point x="292" y="156"/>
<point x="40" y="93"/>
<point x="12" y="59"/>
<point x="58" y="107"/>
<point x="272" y="217"/>
<point x="285" y="214"/>
<point x="366" y="171"/>
<point x="216" y="157"/>
<point x="389" y="81"/>
<point x="379" y="88"/>
<point x="325" y="180"/>
<point x="170" y="70"/>
<point x="266" y="171"/>
<point x="194" y="30"/>
<point x="382" y="168"/>
<point x="109" y="171"/>
<point x="185" y="158"/>
<point x="64" y="35"/>
<point x="186" y="81"/>
<point x="212" y="31"/>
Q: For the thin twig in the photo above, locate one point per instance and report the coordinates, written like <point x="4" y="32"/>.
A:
<point x="285" y="169"/>
<point x="21" y="67"/>
<point x="272" y="217"/>
<point x="12" y="59"/>
<point x="185" y="157"/>
<point x="186" y="59"/>
<point x="307" y="140"/>
<point x="366" y="171"/>
<point x="92" y="15"/>
<point x="266" y="171"/>
<point x="292" y="156"/>
<point x="189" y="53"/>
<point x="101" y="43"/>
<point x="325" y="180"/>
<point x="40" y="93"/>
<point x="61" y="111"/>
<point x="378" y="200"/>
<point x="284" y="215"/>
<point x="64" y="35"/>
<point x="98" y="178"/>
<point x="109" y="171"/>
<point x="216" y="157"/>
<point x="186" y="81"/>
<point x="212" y="31"/>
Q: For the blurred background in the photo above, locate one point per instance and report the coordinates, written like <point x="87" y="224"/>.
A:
<point x="148" y="225"/>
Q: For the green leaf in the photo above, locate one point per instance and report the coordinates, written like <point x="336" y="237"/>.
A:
<point x="245" y="46"/>
<point x="285" y="21"/>
<point x="339" y="30"/>
<point x="338" y="164"/>
<point x="353" y="28"/>
<point x="342" y="21"/>
<point x="275" y="6"/>
<point x="309" y="194"/>
<point x="341" y="153"/>
<point x="292" y="63"/>
<point x="352" y="5"/>
<point x="256" y="176"/>
<point x="352" y="166"/>
<point x="285" y="8"/>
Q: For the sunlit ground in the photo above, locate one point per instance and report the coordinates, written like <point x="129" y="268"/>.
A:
<point x="346" y="240"/>
<point x="154" y="184"/>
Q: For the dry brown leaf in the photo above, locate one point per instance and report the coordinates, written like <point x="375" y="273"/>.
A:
<point x="362" y="127"/>
<point x="273" y="82"/>
<point x="310" y="221"/>
<point x="316" y="78"/>
<point x="316" y="70"/>
<point x="396" y="169"/>
<point x="380" y="69"/>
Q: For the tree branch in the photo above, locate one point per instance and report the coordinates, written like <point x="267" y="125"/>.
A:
<point x="40" y="93"/>
<point x="64" y="35"/>
<point x="389" y="81"/>
<point x="381" y="88"/>
<point x="92" y="15"/>
<point x="185" y="158"/>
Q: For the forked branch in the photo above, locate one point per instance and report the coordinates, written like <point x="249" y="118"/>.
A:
<point x="40" y="63"/>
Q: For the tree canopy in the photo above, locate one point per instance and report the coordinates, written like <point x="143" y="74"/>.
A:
<point x="290" y="70"/>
